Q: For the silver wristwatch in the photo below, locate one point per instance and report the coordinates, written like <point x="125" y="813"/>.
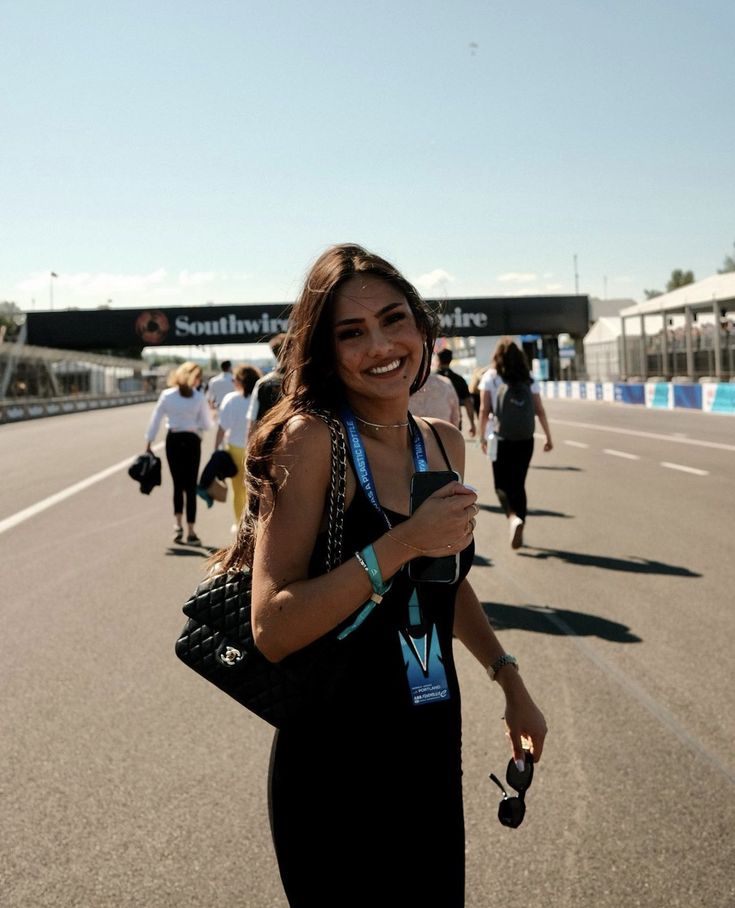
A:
<point x="505" y="659"/>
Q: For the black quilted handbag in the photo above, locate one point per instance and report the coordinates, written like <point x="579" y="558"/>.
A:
<point x="217" y="640"/>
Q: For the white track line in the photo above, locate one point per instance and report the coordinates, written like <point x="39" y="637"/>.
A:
<point x="678" y="466"/>
<point x="621" y="454"/>
<point x="575" y="444"/>
<point x="675" y="438"/>
<point x="13" y="521"/>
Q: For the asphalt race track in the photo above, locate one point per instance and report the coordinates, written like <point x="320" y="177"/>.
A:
<point x="127" y="781"/>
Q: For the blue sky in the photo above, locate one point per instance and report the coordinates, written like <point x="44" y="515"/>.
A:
<point x="183" y="152"/>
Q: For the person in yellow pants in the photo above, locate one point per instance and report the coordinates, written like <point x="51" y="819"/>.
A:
<point x="233" y="427"/>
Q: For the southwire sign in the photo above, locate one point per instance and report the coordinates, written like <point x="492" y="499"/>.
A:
<point x="123" y="329"/>
<point x="496" y="315"/>
<point x="229" y="326"/>
<point x="106" y="329"/>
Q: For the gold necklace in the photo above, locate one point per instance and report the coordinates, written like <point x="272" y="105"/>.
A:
<point x="380" y="425"/>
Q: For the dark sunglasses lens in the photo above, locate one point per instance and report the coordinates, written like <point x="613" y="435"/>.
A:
<point x="517" y="779"/>
<point x="511" y="812"/>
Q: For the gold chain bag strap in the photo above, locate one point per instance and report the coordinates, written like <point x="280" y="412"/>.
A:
<point x="217" y="639"/>
<point x="337" y="485"/>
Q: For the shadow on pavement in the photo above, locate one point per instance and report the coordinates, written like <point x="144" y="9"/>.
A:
<point x="190" y="551"/>
<point x="532" y="512"/>
<point x="567" y="469"/>
<point x="481" y="560"/>
<point x="540" y="619"/>
<point x="634" y="564"/>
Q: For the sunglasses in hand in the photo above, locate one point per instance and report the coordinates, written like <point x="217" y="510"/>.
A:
<point x="512" y="810"/>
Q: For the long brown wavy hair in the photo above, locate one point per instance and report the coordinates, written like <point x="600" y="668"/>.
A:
<point x="510" y="361"/>
<point x="309" y="380"/>
<point x="247" y="376"/>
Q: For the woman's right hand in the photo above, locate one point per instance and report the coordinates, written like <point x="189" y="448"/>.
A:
<point x="444" y="523"/>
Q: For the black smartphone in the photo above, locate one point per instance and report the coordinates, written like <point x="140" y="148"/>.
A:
<point x="432" y="570"/>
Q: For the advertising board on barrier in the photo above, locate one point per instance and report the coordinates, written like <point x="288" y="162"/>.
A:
<point x="18" y="410"/>
<point x="629" y="393"/>
<point x="718" y="397"/>
<point x="659" y="395"/>
<point x="712" y="397"/>
<point x="688" y="397"/>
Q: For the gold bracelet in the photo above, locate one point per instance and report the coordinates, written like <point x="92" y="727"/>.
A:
<point x="406" y="545"/>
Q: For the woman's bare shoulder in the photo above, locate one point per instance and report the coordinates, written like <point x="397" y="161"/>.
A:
<point x="305" y="437"/>
<point x="451" y="438"/>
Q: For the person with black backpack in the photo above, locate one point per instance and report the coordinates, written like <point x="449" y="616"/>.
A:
<point x="510" y="401"/>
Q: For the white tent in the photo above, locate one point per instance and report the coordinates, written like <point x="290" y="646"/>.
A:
<point x="603" y="349"/>
<point x="708" y="301"/>
<point x="717" y="290"/>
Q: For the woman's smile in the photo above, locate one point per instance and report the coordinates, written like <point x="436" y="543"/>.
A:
<point x="392" y="366"/>
<point x="378" y="346"/>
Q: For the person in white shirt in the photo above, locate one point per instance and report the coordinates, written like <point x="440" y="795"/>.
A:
<point x="436" y="398"/>
<point x="234" y="425"/>
<point x="221" y="385"/>
<point x="187" y="416"/>
<point x="510" y="467"/>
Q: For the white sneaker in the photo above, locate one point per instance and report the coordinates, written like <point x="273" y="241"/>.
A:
<point x="516" y="533"/>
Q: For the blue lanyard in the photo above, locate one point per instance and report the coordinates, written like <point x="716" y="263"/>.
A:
<point x="362" y="467"/>
<point x="365" y="478"/>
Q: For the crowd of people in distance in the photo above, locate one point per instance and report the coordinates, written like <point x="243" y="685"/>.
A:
<point x="236" y="398"/>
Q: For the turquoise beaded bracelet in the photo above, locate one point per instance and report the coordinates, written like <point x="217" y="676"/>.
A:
<point x="368" y="560"/>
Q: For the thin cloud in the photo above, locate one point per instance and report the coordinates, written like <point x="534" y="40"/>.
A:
<point x="95" y="285"/>
<point x="197" y="278"/>
<point x="85" y="288"/>
<point x="536" y="290"/>
<point x="434" y="280"/>
<point x="516" y="277"/>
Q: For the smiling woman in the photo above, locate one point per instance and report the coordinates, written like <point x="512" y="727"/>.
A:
<point x="378" y="346"/>
<point x="365" y="788"/>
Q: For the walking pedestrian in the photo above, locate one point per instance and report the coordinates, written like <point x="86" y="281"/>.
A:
<point x="436" y="397"/>
<point x="186" y="412"/>
<point x="444" y="358"/>
<point x="267" y="391"/>
<point x="510" y="403"/>
<point x="233" y="427"/>
<point x="366" y="787"/>
<point x="220" y="385"/>
<point x="474" y="387"/>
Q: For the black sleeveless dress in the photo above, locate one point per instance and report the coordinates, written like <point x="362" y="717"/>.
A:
<point x="365" y="793"/>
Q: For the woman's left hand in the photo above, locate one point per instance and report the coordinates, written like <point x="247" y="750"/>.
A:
<point x="524" y="721"/>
